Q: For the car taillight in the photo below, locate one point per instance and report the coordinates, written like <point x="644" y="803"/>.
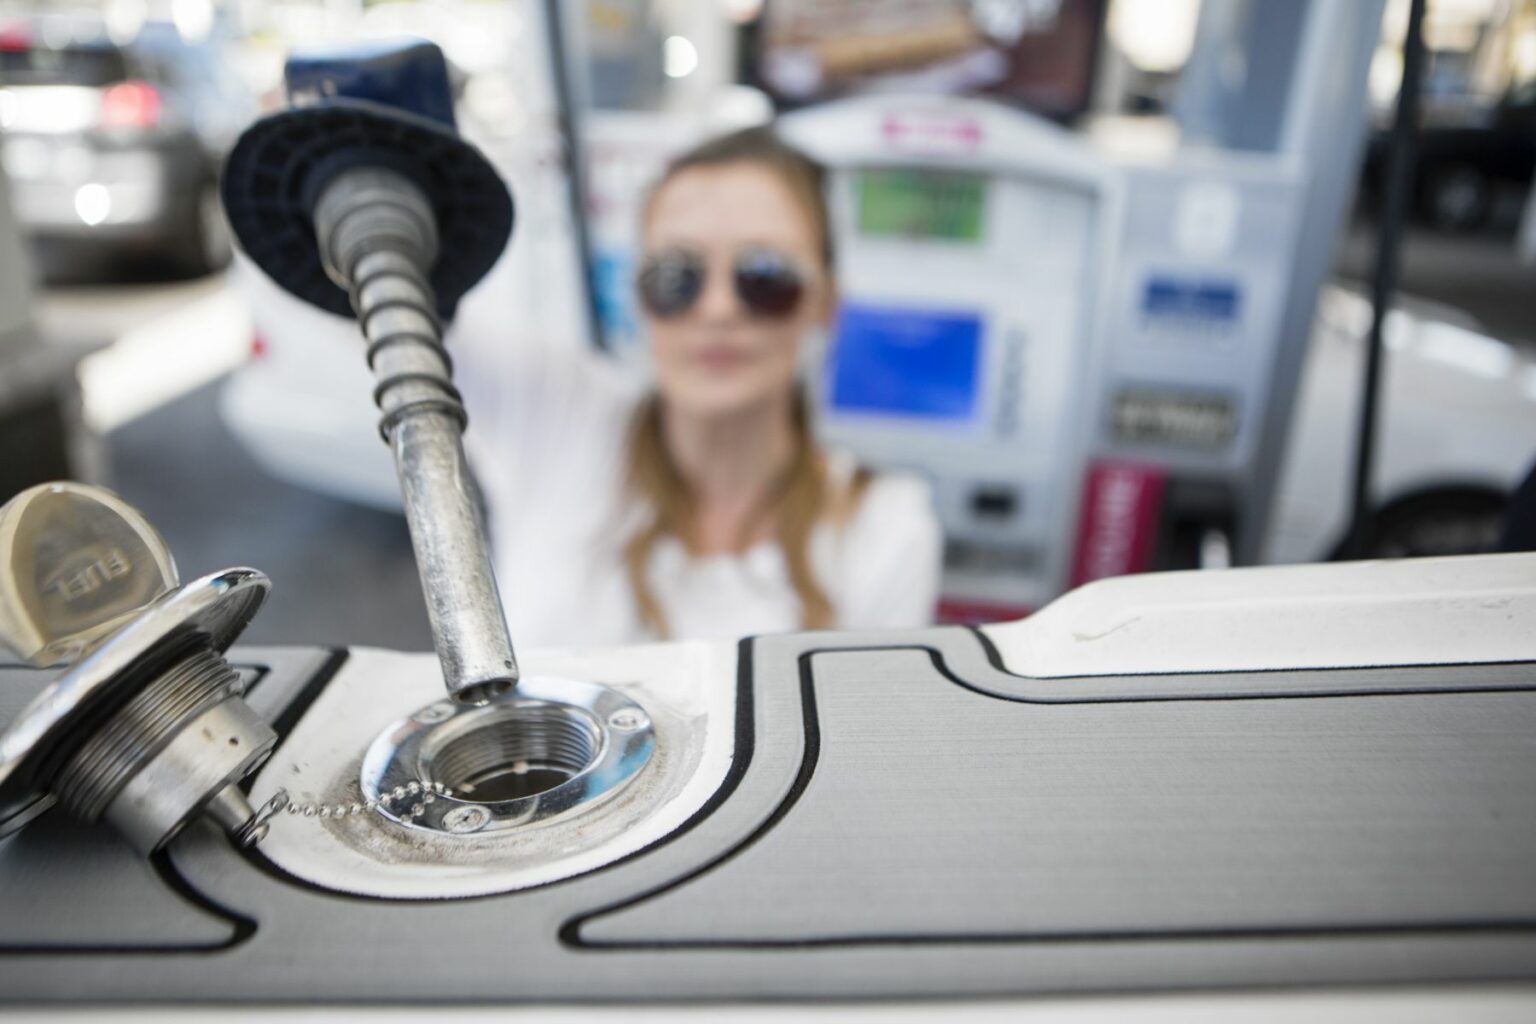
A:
<point x="15" y="39"/>
<point x="130" y="105"/>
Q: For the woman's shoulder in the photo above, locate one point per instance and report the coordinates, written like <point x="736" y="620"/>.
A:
<point x="881" y="501"/>
<point x="890" y="549"/>
<point x="900" y="488"/>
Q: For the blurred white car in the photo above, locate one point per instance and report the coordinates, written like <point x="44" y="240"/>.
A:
<point x="1456" y="434"/>
<point x="1458" y="422"/>
<point x="303" y="404"/>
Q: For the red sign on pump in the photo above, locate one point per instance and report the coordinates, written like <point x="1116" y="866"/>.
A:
<point x="1118" y="521"/>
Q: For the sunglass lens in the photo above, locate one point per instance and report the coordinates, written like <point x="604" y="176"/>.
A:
<point x="669" y="284"/>
<point x="767" y="283"/>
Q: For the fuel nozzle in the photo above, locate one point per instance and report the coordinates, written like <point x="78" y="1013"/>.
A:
<point x="362" y="199"/>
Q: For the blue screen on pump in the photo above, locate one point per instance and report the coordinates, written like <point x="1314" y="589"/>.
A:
<point x="906" y="362"/>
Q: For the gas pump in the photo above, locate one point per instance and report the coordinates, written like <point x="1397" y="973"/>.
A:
<point x="1291" y="777"/>
<point x="1186" y="357"/>
<point x="970" y="238"/>
<point x="1076" y="349"/>
<point x="1091" y="350"/>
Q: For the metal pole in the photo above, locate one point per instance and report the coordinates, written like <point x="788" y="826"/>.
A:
<point x="378" y="239"/>
<point x="1384" y="283"/>
<point x="568" y="118"/>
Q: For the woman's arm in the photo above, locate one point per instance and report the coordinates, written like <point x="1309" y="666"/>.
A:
<point x="536" y="392"/>
<point x="892" y="557"/>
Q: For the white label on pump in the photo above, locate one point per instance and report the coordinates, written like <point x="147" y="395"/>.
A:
<point x="1205" y="225"/>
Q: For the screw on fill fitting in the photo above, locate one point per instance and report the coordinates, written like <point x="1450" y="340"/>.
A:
<point x="626" y="719"/>
<point x="433" y="713"/>
<point x="148" y="729"/>
<point x="466" y="819"/>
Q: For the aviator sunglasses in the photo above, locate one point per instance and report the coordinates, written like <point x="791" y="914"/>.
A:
<point x="766" y="282"/>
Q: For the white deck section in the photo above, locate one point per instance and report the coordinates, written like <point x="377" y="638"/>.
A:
<point x="688" y="689"/>
<point x="1439" y="611"/>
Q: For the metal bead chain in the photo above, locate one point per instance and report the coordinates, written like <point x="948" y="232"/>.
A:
<point x="423" y="793"/>
<point x="427" y="791"/>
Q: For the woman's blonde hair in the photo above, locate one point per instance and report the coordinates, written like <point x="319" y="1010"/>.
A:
<point x="800" y="497"/>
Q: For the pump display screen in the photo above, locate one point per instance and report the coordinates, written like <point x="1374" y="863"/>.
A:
<point x="906" y="362"/>
<point x="941" y="205"/>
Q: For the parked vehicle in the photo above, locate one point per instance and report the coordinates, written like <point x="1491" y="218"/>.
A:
<point x="115" y="149"/>
<point x="1457" y="432"/>
<point x="1466" y="155"/>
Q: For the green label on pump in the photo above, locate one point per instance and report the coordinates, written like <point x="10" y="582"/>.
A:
<point x="941" y="205"/>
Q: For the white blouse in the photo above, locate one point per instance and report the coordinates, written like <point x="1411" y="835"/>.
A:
<point x="547" y="441"/>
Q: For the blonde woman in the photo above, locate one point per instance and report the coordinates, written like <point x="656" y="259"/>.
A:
<point x="702" y="507"/>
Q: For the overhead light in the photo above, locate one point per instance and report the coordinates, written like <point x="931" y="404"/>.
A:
<point x="93" y="203"/>
<point x="679" y="57"/>
<point x="193" y="19"/>
<point x="1155" y="37"/>
<point x="742" y="11"/>
<point x="124" y="19"/>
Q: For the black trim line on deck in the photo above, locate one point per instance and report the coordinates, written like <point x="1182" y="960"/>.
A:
<point x="570" y="932"/>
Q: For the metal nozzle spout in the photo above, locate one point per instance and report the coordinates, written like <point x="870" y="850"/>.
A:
<point x="378" y="239"/>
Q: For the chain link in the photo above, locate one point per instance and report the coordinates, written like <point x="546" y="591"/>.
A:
<point x="420" y="793"/>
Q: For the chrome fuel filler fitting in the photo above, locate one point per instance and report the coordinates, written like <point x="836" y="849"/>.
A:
<point x="148" y="728"/>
